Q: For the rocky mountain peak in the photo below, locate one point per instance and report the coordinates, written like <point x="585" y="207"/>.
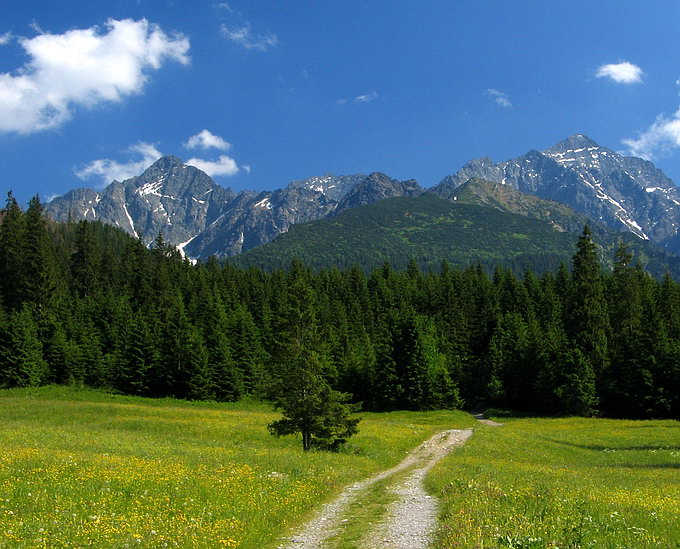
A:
<point x="625" y="193"/>
<point x="478" y="163"/>
<point x="202" y="218"/>
<point x="573" y="142"/>
<point x="167" y="162"/>
<point x="331" y="186"/>
<point x="377" y="186"/>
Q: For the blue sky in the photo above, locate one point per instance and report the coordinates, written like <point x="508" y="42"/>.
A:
<point x="259" y="93"/>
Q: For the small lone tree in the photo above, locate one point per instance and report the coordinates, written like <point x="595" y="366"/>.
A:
<point x="311" y="407"/>
<point x="299" y="386"/>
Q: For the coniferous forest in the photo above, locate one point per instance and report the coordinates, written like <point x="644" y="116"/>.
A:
<point x="85" y="304"/>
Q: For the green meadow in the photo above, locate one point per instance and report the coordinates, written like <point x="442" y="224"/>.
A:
<point x="538" y="483"/>
<point x="85" y="468"/>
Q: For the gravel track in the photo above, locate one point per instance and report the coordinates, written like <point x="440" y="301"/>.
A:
<point x="411" y="520"/>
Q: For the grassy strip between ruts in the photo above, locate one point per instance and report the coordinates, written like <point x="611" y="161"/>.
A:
<point x="84" y="468"/>
<point x="536" y="483"/>
<point x="363" y="515"/>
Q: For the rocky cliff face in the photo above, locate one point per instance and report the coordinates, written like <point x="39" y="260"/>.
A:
<point x="202" y="218"/>
<point x="625" y="193"/>
<point x="377" y="186"/>
<point x="169" y="197"/>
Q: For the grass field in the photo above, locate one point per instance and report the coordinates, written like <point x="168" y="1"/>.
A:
<point x="83" y="468"/>
<point x="536" y="483"/>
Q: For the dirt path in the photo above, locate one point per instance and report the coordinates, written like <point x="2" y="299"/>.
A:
<point x="411" y="520"/>
<point x="482" y="419"/>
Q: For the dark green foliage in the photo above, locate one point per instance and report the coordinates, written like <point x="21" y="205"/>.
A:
<point x="21" y="352"/>
<point x="139" y="357"/>
<point x="427" y="229"/>
<point x="12" y="253"/>
<point x="104" y="311"/>
<point x="85" y="262"/>
<point x="576" y="391"/>
<point x="587" y="318"/>
<point x="300" y="388"/>
<point x="39" y="265"/>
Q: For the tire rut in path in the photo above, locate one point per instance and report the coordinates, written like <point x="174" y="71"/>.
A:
<point x="410" y="522"/>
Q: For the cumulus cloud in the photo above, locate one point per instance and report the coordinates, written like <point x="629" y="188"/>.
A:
<point x="623" y="72"/>
<point x="244" y="36"/>
<point x="207" y="140"/>
<point x="83" y="67"/>
<point x="662" y="136"/>
<point x="500" y="98"/>
<point x="224" y="165"/>
<point x="106" y="170"/>
<point x="6" y="38"/>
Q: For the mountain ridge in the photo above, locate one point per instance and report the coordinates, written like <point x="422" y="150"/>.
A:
<point x="430" y="229"/>
<point x="623" y="192"/>
<point x="202" y="218"/>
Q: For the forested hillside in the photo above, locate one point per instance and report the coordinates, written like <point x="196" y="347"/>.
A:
<point x="86" y="304"/>
<point x="464" y="232"/>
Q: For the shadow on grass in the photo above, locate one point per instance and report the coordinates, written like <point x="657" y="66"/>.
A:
<point x="602" y="448"/>
<point x="651" y="466"/>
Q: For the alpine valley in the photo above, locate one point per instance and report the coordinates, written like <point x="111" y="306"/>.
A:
<point x="559" y="189"/>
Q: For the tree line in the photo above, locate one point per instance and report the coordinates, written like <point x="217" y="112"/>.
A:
<point x="84" y="303"/>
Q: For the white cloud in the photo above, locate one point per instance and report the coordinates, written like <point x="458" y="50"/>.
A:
<point x="244" y="36"/>
<point x="207" y="140"/>
<point x="6" y="38"/>
<point x="500" y="98"/>
<point x="83" y="67"/>
<point x="367" y="98"/>
<point x="623" y="72"/>
<point x="662" y="136"/>
<point x="107" y="170"/>
<point x="226" y="6"/>
<point x="224" y="165"/>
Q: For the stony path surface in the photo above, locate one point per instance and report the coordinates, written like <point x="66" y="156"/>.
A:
<point x="411" y="520"/>
<point x="482" y="419"/>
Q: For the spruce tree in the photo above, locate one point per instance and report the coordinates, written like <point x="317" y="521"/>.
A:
<point x="139" y="358"/>
<point x="587" y="318"/>
<point x="21" y="353"/>
<point x="228" y="380"/>
<point x="12" y="254"/>
<point x="85" y="262"/>
<point x="39" y="266"/>
<point x="310" y="407"/>
<point x="386" y="388"/>
<point x="576" y="390"/>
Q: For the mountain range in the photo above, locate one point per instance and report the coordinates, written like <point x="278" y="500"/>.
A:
<point x="486" y="224"/>
<point x="625" y="193"/>
<point x="202" y="218"/>
<point x="566" y="185"/>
